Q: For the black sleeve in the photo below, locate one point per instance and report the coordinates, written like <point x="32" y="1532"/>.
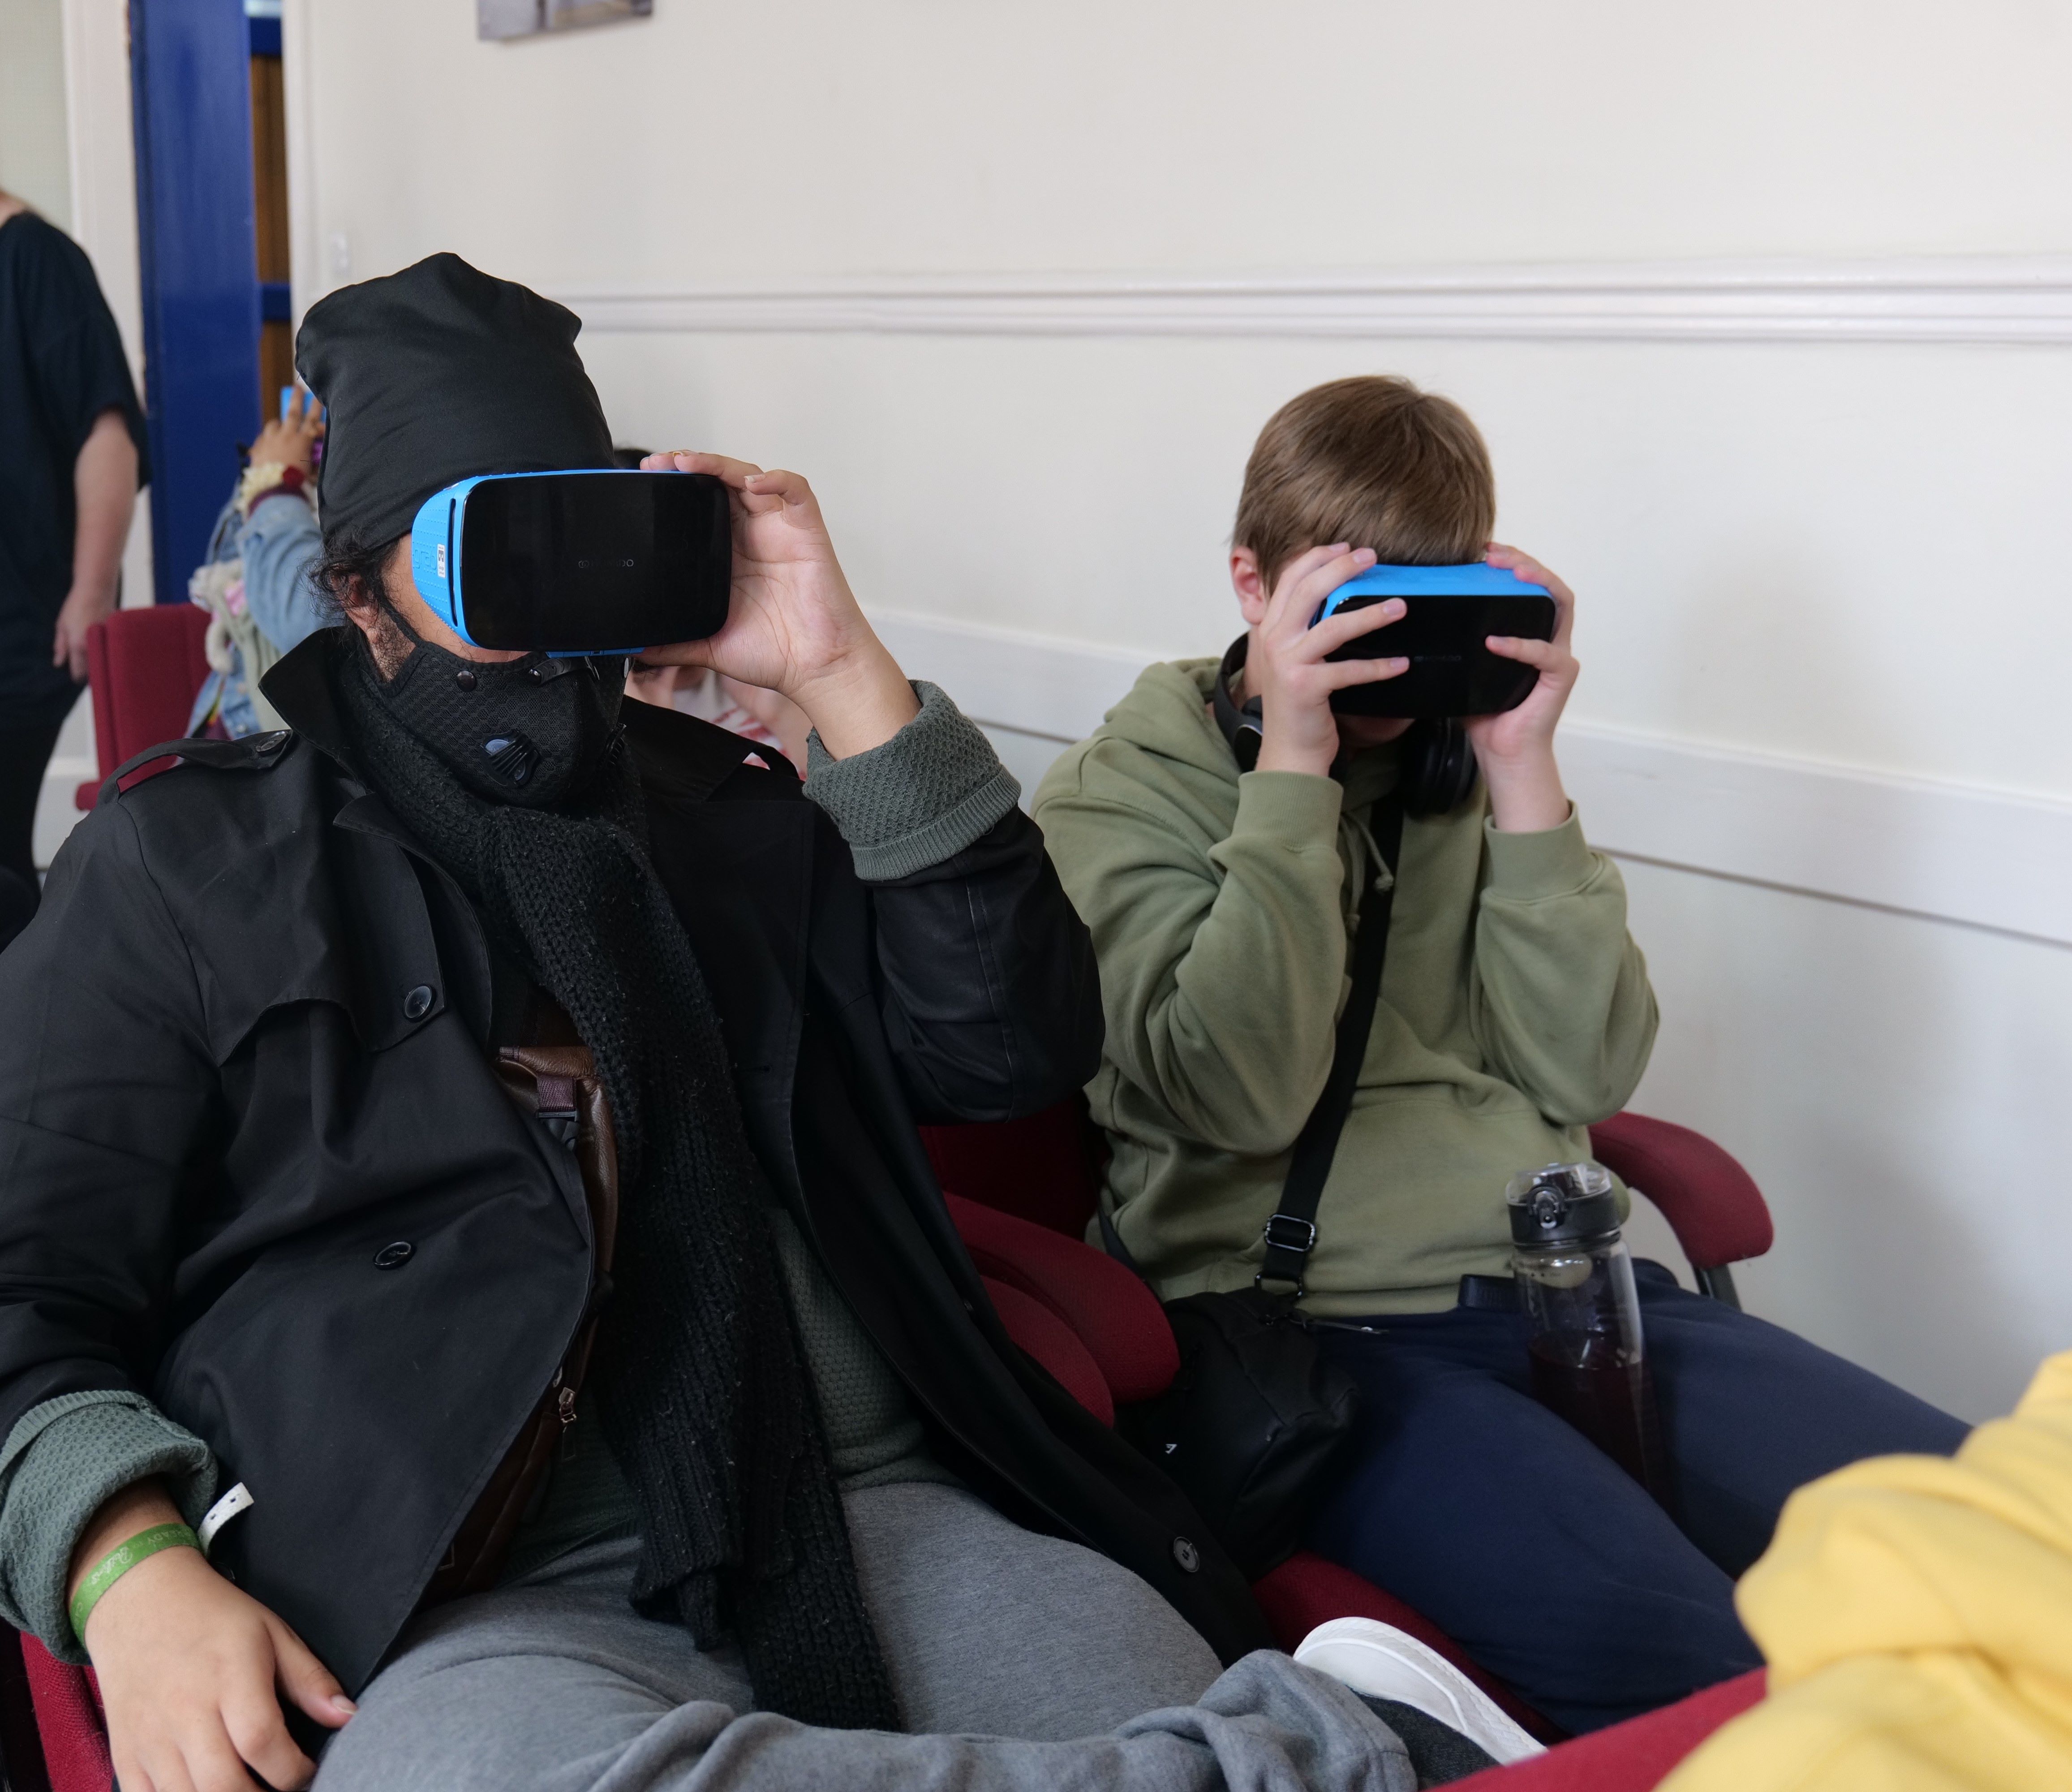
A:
<point x="989" y="996"/>
<point x="76" y="356"/>
<point x="106" y="1082"/>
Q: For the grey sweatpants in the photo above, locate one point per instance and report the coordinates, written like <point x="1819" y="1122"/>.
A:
<point x="1021" y="1664"/>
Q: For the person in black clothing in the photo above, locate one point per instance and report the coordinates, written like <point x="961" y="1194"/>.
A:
<point x="71" y="459"/>
<point x="507" y="1186"/>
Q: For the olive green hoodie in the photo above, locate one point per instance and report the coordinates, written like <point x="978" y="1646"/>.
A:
<point x="1514" y="1012"/>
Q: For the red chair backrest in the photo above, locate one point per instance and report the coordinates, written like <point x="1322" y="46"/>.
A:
<point x="145" y="666"/>
<point x="1108" y="1313"/>
<point x="1045" y="1168"/>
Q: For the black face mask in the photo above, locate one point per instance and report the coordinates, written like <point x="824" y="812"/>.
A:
<point x="531" y="731"/>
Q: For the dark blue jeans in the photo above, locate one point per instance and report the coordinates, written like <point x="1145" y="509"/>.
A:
<point x="1535" y="1551"/>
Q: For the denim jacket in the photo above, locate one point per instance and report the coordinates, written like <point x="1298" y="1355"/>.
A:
<point x="280" y="545"/>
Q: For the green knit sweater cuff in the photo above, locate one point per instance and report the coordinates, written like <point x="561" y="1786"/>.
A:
<point x="61" y="1462"/>
<point x="921" y="797"/>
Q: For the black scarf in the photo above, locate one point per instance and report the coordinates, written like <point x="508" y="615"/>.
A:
<point x="706" y="1400"/>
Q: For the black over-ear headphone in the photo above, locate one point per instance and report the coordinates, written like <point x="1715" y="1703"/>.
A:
<point x="1439" y="767"/>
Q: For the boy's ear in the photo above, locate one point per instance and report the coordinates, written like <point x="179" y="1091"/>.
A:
<point x="1251" y="589"/>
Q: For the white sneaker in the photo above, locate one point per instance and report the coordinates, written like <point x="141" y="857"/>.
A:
<point x="1385" y="1662"/>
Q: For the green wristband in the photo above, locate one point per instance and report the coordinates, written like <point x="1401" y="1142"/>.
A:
<point x="118" y="1562"/>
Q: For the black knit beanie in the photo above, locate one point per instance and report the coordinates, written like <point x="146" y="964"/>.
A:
<point x="436" y="374"/>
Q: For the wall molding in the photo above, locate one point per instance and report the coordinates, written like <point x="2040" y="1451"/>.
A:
<point x="1955" y="852"/>
<point x="102" y="152"/>
<point x="2000" y="299"/>
<point x="1964" y="855"/>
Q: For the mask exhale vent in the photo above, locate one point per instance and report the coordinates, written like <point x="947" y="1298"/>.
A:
<point x="511" y="759"/>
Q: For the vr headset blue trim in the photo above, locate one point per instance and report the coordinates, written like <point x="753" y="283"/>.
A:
<point x="1478" y="579"/>
<point x="600" y="561"/>
<point x="435" y="552"/>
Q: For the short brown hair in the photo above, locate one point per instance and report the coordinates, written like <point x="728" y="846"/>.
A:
<point x="1373" y="462"/>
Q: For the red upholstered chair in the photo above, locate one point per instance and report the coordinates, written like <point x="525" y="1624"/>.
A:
<point x="1712" y="1204"/>
<point x="1046" y="1169"/>
<point x="1021" y="1193"/>
<point x="145" y="667"/>
<point x="1633" y="1756"/>
<point x="52" y="1734"/>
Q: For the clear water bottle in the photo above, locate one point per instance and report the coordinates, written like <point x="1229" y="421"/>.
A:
<point x="1575" y="1282"/>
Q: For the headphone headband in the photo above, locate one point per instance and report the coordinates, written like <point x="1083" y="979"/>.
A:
<point x="1241" y="728"/>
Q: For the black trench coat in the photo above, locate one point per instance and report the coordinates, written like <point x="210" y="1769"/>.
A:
<point x="243" y="1050"/>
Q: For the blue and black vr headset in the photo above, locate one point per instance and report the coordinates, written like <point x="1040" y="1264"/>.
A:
<point x="1449" y="613"/>
<point x="602" y="562"/>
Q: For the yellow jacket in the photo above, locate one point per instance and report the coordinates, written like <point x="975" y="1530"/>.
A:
<point x="1916" y="1616"/>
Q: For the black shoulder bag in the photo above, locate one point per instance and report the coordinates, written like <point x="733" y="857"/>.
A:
<point x="1256" y="1414"/>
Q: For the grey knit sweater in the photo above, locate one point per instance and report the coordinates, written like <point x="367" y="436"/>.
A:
<point x="922" y="797"/>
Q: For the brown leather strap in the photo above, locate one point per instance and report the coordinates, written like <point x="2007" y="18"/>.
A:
<point x="553" y="1081"/>
<point x="558" y="1084"/>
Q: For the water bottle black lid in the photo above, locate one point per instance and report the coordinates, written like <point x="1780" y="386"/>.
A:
<point x="1563" y="1203"/>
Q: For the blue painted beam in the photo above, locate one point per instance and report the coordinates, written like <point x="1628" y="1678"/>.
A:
<point x="191" y="78"/>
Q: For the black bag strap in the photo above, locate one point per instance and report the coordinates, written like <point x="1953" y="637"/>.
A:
<point x="1291" y="1235"/>
<point x="251" y="753"/>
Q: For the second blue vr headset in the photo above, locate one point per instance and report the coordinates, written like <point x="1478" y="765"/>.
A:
<point x="600" y="561"/>
<point x="1449" y="613"/>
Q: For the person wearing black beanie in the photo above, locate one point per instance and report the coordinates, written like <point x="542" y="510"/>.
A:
<point x="465" y="1244"/>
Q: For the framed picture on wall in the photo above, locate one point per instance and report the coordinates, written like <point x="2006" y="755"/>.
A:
<point x="503" y="18"/>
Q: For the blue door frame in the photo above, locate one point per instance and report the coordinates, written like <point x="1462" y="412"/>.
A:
<point x="190" y="79"/>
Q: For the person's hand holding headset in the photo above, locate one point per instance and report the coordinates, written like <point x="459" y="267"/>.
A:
<point x="793" y="625"/>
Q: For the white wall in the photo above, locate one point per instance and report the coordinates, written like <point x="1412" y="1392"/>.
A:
<point x="1181" y="134"/>
<point x="1808" y="531"/>
<point x="33" y="153"/>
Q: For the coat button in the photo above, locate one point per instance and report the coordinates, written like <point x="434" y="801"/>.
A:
<point x="1184" y="1552"/>
<point x="395" y="1256"/>
<point x="417" y="1003"/>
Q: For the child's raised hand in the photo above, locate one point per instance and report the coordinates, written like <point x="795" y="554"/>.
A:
<point x="291" y="441"/>
<point x="1286" y="666"/>
<point x="1516" y="748"/>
